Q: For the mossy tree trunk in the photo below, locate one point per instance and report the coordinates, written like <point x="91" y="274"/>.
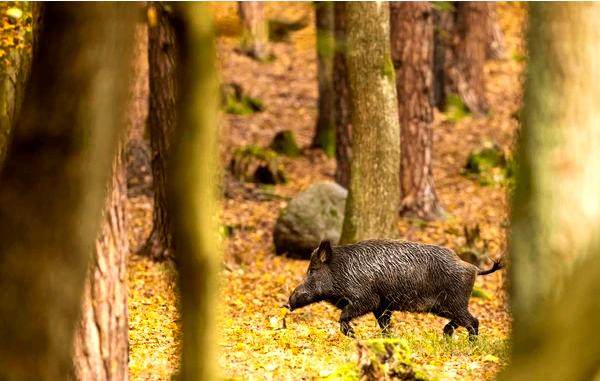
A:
<point x="555" y="273"/>
<point x="462" y="40"/>
<point x="411" y="36"/>
<point x="52" y="183"/>
<point x="162" y="51"/>
<point x="374" y="192"/>
<point x="325" y="131"/>
<point x="341" y="110"/>
<point x="193" y="190"/>
<point x="255" y="31"/>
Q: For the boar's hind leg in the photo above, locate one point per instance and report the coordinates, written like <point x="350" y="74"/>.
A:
<point x="470" y="323"/>
<point x="383" y="316"/>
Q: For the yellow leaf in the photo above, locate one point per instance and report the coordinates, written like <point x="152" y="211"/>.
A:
<point x="491" y="358"/>
<point x="15" y="13"/>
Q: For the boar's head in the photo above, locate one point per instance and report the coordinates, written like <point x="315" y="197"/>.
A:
<point x="318" y="283"/>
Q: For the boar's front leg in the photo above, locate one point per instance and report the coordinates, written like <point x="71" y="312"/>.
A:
<point x="349" y="312"/>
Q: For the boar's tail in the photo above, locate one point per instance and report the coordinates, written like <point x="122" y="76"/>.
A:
<point x="497" y="266"/>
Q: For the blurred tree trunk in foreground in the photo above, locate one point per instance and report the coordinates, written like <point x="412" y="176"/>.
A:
<point x="341" y="107"/>
<point x="555" y="274"/>
<point x="411" y="36"/>
<point x="255" y="31"/>
<point x="193" y="190"/>
<point x="52" y="183"/>
<point x="374" y="192"/>
<point x="101" y="341"/>
<point x="162" y="51"/>
<point x="461" y="42"/>
<point x="325" y="131"/>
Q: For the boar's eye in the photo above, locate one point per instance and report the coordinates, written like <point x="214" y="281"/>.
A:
<point x="311" y="271"/>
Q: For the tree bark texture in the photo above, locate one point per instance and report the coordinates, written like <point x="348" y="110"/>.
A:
<point x="162" y="51"/>
<point x="52" y="183"/>
<point x="411" y="35"/>
<point x="193" y="190"/>
<point x="374" y="192"/>
<point x="255" y="32"/>
<point x="325" y="131"/>
<point x="495" y="47"/>
<point x="101" y="340"/>
<point x="555" y="272"/>
<point x="341" y="111"/>
<point x="462" y="40"/>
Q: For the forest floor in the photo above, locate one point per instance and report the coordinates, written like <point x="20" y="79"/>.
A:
<point x="255" y="282"/>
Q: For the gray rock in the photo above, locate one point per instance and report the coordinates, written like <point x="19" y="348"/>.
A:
<point x="313" y="215"/>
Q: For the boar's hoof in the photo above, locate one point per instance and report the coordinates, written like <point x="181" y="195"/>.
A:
<point x="347" y="329"/>
<point x="450" y="327"/>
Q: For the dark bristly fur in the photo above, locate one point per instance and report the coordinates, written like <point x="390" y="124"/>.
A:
<point x="381" y="276"/>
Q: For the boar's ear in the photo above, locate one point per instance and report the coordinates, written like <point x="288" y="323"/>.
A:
<point x="324" y="251"/>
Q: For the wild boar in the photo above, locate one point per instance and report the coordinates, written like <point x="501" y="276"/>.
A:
<point x="381" y="276"/>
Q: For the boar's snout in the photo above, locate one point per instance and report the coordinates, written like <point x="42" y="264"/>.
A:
<point x="299" y="298"/>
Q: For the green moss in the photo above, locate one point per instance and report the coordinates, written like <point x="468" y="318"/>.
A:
<point x="236" y="102"/>
<point x="345" y="372"/>
<point x="489" y="166"/>
<point x="455" y="109"/>
<point x="479" y="293"/>
<point x="285" y="144"/>
<point x="444" y="6"/>
<point x="256" y="164"/>
<point x="326" y="140"/>
<point x="388" y="68"/>
<point x="280" y="30"/>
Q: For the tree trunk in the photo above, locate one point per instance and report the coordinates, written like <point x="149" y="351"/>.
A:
<point x="52" y="183"/>
<point x="495" y="45"/>
<point x="555" y="274"/>
<point x="411" y="33"/>
<point x="341" y="111"/>
<point x="193" y="190"/>
<point x="325" y="132"/>
<point x="101" y="340"/>
<point x="14" y="75"/>
<point x="374" y="192"/>
<point x="162" y="51"/>
<point x="255" y="32"/>
<point x="462" y="40"/>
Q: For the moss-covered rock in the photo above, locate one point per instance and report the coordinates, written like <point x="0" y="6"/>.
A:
<point x="284" y="143"/>
<point x="255" y="164"/>
<point x="489" y="165"/>
<point x="280" y="30"/>
<point x="455" y="109"/>
<point x="387" y="359"/>
<point x="235" y="101"/>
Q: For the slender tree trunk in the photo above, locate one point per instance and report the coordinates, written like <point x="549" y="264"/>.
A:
<point x="162" y="50"/>
<point x="411" y="35"/>
<point x="101" y="340"/>
<point x="374" y="192"/>
<point x="255" y="32"/>
<point x="52" y="183"/>
<point x="555" y="273"/>
<point x="325" y="132"/>
<point x="341" y="111"/>
<point x="462" y="39"/>
<point x="193" y="190"/>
